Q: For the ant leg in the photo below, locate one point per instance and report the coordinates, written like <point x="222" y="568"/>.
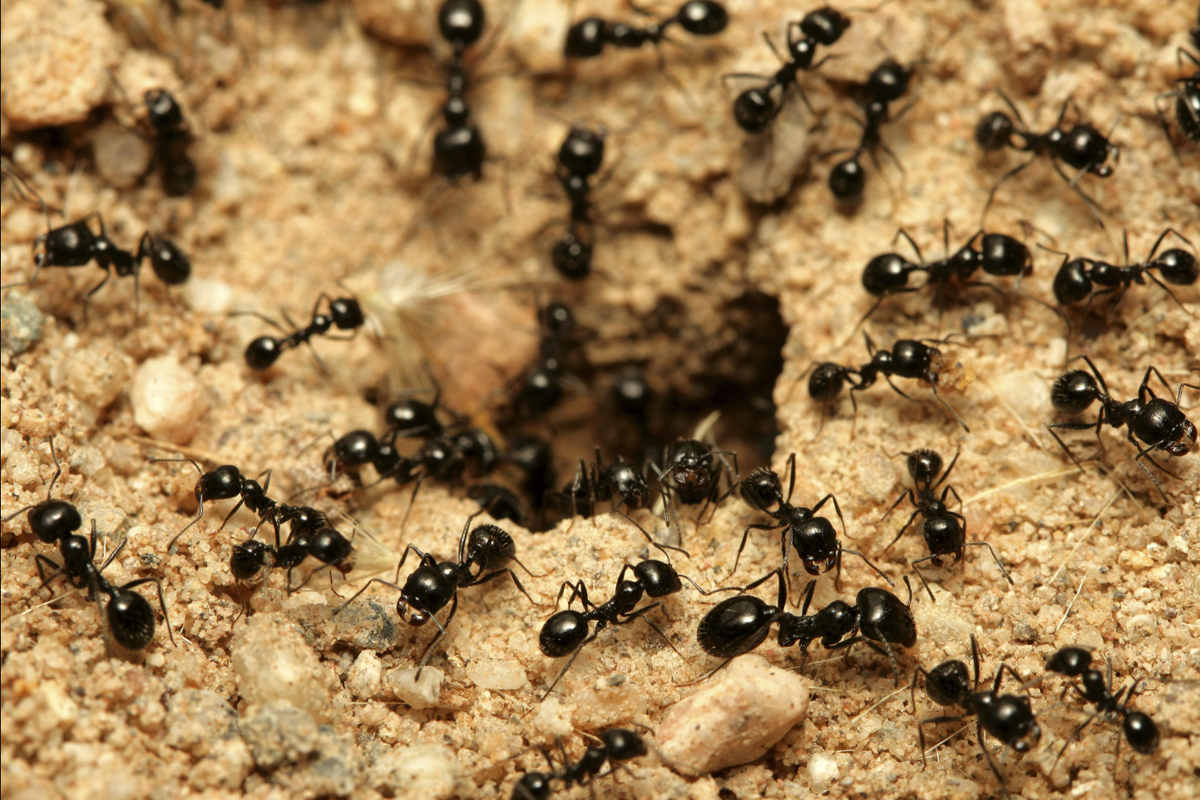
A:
<point x="996" y="185"/>
<point x="40" y="559"/>
<point x="866" y="561"/>
<point x="640" y="614"/>
<point x="902" y="530"/>
<point x="1075" y="735"/>
<point x="441" y="634"/>
<point x="491" y="576"/>
<point x="571" y="661"/>
<point x="836" y="508"/>
<point x="907" y="493"/>
<point x="949" y="408"/>
<point x="995" y="558"/>
<point x="991" y="763"/>
<point x="929" y="721"/>
<point x="1092" y="206"/>
<point x="696" y="586"/>
<point x="922" y="577"/>
<point x="755" y="526"/>
<point x="663" y="548"/>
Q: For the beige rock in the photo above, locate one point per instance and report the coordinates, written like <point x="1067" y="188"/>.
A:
<point x="427" y="771"/>
<point x="122" y="156"/>
<point x="168" y="400"/>
<point x="398" y="21"/>
<point x="735" y="719"/>
<point x="274" y="663"/>
<point x="55" y="58"/>
<point x="423" y="693"/>
<point x="96" y="375"/>
<point x="1031" y="39"/>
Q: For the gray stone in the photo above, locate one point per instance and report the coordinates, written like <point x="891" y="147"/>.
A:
<point x="20" y="324"/>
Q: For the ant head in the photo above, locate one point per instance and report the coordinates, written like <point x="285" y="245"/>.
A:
<point x="658" y="578"/>
<point x="912" y="357"/>
<point x="572" y="257"/>
<point x="163" y="110"/>
<point x="585" y="39"/>
<point x="248" y="559"/>
<point x="847" y="180"/>
<point x="1073" y="661"/>
<point x="347" y="313"/>
<point x="815" y="541"/>
<point x="825" y="382"/>
<point x="948" y="683"/>
<point x="762" y="488"/>
<point x="458" y="150"/>
<point x="563" y="633"/>
<point x="632" y="394"/>
<point x="263" y="352"/>
<point x="753" y="109"/>
<point x="702" y="17"/>
<point x="885" y="274"/>
<point x="170" y="264"/>
<point x="735" y="626"/>
<point x="825" y="25"/>
<point x="623" y="744"/>
<point x="1072" y="282"/>
<point x="461" y="22"/>
<point x="924" y="466"/>
<point x="558" y="319"/>
<point x="1186" y="440"/>
<point x="51" y="520"/>
<point x="1074" y="391"/>
<point x="223" y="483"/>
<point x="582" y="152"/>
<point x="944" y="536"/>
<point x="1178" y="267"/>
<point x="994" y="131"/>
<point x="412" y="418"/>
<point x="355" y="448"/>
<point x="888" y="82"/>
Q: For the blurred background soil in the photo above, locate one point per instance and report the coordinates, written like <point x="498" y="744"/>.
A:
<point x="724" y="269"/>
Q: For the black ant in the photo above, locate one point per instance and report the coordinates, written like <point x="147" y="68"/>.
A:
<point x="693" y="472"/>
<point x="534" y="458"/>
<point x="740" y="624"/>
<point x="171" y="140"/>
<point x="755" y="108"/>
<point x="996" y="254"/>
<point x="541" y="388"/>
<point x="588" y="37"/>
<point x="1140" y="730"/>
<point x="433" y="584"/>
<point x="945" y="531"/>
<point x="1077" y="278"/>
<point x="616" y="745"/>
<point x="1186" y="93"/>
<point x="633" y="396"/>
<point x="825" y="382"/>
<point x="908" y="358"/>
<point x="51" y="520"/>
<point x="578" y="160"/>
<point x="887" y="83"/>
<point x="345" y="314"/>
<point x="499" y="502"/>
<point x="1082" y="148"/>
<point x="458" y="148"/>
<point x="1008" y="717"/>
<point x="1158" y="422"/>
<point x="814" y="537"/>
<point x="566" y="632"/>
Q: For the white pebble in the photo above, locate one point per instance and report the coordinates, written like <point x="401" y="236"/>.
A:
<point x="366" y="676"/>
<point x="490" y="673"/>
<point x="822" y="771"/>
<point x="273" y="663"/>
<point x="417" y="694"/>
<point x="426" y="771"/>
<point x="168" y="400"/>
<point x="734" y="719"/>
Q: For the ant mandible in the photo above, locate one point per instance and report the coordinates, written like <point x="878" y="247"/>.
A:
<point x="433" y="584"/>
<point x="1077" y="278"/>
<point x="1082" y="148"/>
<point x="814" y="537"/>
<point x="616" y="745"/>
<point x="566" y="632"/>
<point x="1007" y="717"/>
<point x="996" y="254"/>
<point x="755" y="108"/>
<point x="345" y="314"/>
<point x="740" y="624"/>
<point x="1140" y="730"/>
<point x="945" y="531"/>
<point x="1158" y="422"/>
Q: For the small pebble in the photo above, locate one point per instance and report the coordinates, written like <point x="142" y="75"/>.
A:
<point x="274" y="663"/>
<point x="735" y="718"/>
<point x="490" y="673"/>
<point x="96" y="375"/>
<point x="417" y="694"/>
<point x="168" y="400"/>
<point x="366" y="676"/>
<point x="122" y="157"/>
<point x="277" y="733"/>
<point x="20" y="324"/>
<point x="426" y="771"/>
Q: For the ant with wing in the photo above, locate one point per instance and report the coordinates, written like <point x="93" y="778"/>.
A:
<point x="945" y="531"/>
<point x="1159" y="423"/>
<point x="1007" y="717"/>
<point x="813" y="537"/>
<point x="433" y="584"/>
<point x="1082" y="148"/>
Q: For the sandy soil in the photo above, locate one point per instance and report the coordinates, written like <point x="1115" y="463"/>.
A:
<point x="313" y="156"/>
